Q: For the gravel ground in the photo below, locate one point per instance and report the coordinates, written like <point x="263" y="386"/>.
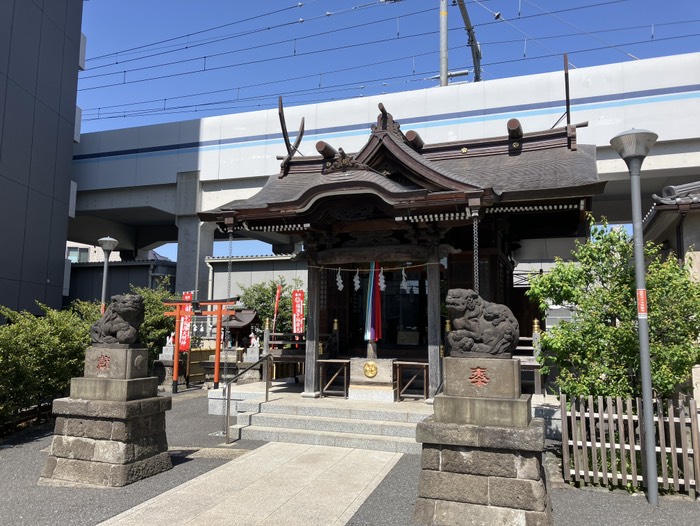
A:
<point x="392" y="502"/>
<point x="22" y="457"/>
<point x="583" y="507"/>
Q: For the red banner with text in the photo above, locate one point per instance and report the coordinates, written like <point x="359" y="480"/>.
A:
<point x="186" y="322"/>
<point x="297" y="311"/>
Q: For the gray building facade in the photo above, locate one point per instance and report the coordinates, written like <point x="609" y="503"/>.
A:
<point x="86" y="278"/>
<point x="249" y="270"/>
<point x="40" y="50"/>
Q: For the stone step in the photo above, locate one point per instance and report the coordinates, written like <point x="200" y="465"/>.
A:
<point x="332" y="421"/>
<point x="411" y="412"/>
<point x="332" y="424"/>
<point x="327" y="438"/>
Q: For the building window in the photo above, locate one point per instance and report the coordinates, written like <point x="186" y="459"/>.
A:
<point x="78" y="255"/>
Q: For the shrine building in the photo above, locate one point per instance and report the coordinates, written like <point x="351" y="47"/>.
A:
<point x="406" y="221"/>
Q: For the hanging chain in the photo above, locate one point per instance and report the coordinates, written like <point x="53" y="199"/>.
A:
<point x="230" y="263"/>
<point x="228" y="295"/>
<point x="475" y="227"/>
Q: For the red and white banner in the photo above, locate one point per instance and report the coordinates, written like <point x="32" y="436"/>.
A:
<point x="297" y="311"/>
<point x="277" y="306"/>
<point x="186" y="322"/>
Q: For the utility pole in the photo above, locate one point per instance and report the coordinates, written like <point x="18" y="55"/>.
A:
<point x="443" y="43"/>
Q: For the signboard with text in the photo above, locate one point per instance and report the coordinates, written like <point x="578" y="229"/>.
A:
<point x="642" y="306"/>
<point x="186" y="322"/>
<point x="297" y="311"/>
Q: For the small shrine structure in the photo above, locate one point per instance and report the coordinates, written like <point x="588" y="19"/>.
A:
<point x="406" y="221"/>
<point x="674" y="222"/>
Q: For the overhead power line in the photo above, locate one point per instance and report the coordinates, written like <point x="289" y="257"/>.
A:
<point x="203" y="58"/>
<point x="365" y="65"/>
<point x="250" y="48"/>
<point x="190" y="45"/>
<point x="498" y="17"/>
<point x="583" y="31"/>
<point x="272" y="97"/>
<point x="188" y="35"/>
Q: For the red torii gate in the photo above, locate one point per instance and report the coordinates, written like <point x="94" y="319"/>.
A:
<point x="215" y="308"/>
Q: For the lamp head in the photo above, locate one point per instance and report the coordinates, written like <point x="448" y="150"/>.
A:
<point x="633" y="143"/>
<point x="108" y="243"/>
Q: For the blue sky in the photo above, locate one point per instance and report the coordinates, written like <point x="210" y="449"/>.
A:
<point x="168" y="60"/>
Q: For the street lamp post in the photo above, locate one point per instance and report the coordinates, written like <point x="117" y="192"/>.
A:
<point x="108" y="244"/>
<point x="633" y="146"/>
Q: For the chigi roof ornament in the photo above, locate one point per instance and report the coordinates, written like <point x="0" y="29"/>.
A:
<point x="291" y="148"/>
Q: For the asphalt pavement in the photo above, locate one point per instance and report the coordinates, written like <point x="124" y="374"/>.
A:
<point x="196" y="450"/>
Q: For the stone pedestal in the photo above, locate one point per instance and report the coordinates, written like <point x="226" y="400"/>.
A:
<point x="482" y="452"/>
<point x="371" y="380"/>
<point x="168" y="353"/>
<point x="163" y="371"/>
<point x="111" y="430"/>
<point x="252" y="354"/>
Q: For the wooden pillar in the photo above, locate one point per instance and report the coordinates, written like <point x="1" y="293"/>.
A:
<point x="434" y="361"/>
<point x="311" y="387"/>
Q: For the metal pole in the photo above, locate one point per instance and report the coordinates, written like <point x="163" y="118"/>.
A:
<point x="176" y="350"/>
<point x="473" y="44"/>
<point x="104" y="281"/>
<point x="443" y="42"/>
<point x="217" y="348"/>
<point x="634" y="164"/>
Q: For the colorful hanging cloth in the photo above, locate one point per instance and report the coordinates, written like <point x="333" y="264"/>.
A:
<point x="373" y="308"/>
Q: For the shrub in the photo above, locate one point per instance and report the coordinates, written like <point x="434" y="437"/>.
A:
<point x="40" y="354"/>
<point x="261" y="297"/>
<point x="156" y="327"/>
<point x="597" y="352"/>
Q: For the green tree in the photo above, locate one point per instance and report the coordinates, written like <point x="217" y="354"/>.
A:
<point x="40" y="354"/>
<point x="156" y="327"/>
<point x="261" y="297"/>
<point x="597" y="352"/>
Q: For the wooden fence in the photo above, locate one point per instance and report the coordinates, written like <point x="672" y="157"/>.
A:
<point x="602" y="442"/>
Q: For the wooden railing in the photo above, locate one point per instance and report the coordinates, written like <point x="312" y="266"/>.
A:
<point x="602" y="443"/>
<point x="280" y="343"/>
<point x="416" y="384"/>
<point x="329" y="372"/>
<point x="288" y="351"/>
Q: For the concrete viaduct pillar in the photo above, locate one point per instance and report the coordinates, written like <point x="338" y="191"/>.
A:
<point x="195" y="240"/>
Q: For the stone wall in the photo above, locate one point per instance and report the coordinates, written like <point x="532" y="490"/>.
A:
<point x="108" y="443"/>
<point x="481" y="475"/>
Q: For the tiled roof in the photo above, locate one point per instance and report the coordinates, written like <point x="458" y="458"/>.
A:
<point x="532" y="166"/>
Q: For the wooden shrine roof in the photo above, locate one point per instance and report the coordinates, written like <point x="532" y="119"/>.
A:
<point x="400" y="173"/>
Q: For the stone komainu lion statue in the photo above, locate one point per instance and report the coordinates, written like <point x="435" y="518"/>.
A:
<point x="479" y="327"/>
<point x="121" y="321"/>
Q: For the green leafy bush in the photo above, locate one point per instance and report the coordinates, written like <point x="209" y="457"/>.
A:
<point x="597" y="352"/>
<point x="40" y="354"/>
<point x="261" y="297"/>
<point x="156" y="327"/>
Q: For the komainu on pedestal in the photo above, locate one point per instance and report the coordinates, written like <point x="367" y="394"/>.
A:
<point x="110" y="431"/>
<point x="482" y="450"/>
<point x="479" y="327"/>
